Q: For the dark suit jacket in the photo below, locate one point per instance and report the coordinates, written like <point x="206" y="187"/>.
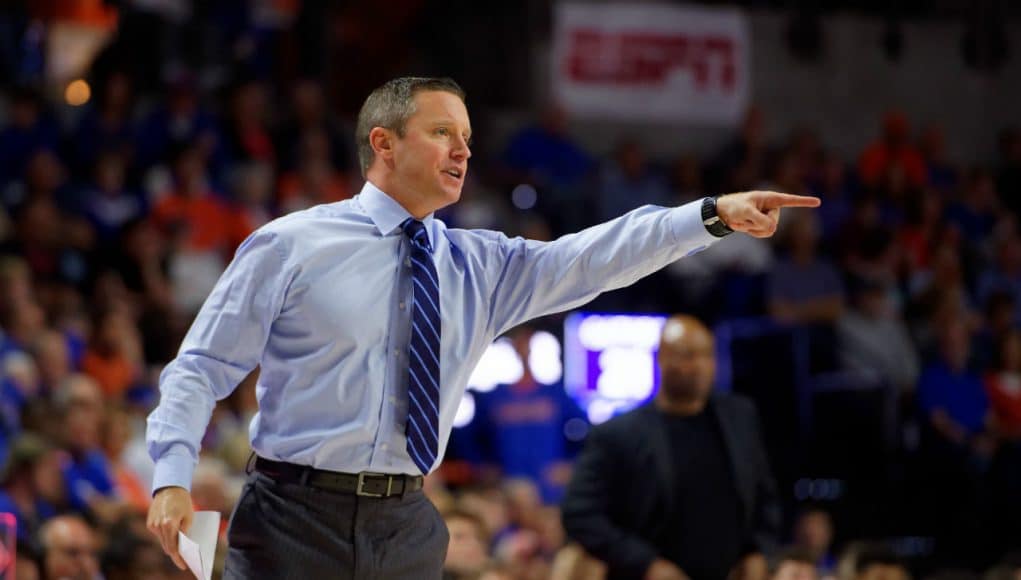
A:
<point x="620" y="493"/>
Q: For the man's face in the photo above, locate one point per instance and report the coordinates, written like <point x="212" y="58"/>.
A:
<point x="687" y="361"/>
<point x="467" y="550"/>
<point x="814" y="530"/>
<point x="84" y="417"/>
<point x="883" y="572"/>
<point x="48" y="478"/>
<point x="52" y="358"/>
<point x="72" y="553"/>
<point x="792" y="570"/>
<point x="431" y="160"/>
<point x="874" y="303"/>
<point x="955" y="346"/>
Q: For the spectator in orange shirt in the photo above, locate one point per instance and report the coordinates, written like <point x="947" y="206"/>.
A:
<point x="191" y="215"/>
<point x="114" y="355"/>
<point x="116" y="434"/>
<point x="893" y="151"/>
<point x="247" y="135"/>
<point x="201" y="229"/>
<point x="315" y="180"/>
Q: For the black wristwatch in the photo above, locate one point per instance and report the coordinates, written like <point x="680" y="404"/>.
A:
<point x="711" y="220"/>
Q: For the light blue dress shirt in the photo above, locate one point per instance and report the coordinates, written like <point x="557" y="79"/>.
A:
<point x="320" y="299"/>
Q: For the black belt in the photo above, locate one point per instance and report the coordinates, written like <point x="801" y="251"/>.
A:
<point x="365" y="484"/>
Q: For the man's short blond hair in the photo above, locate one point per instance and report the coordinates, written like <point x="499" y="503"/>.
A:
<point x="390" y="106"/>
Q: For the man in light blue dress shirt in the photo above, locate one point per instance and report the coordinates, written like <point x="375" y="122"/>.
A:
<point x="324" y="301"/>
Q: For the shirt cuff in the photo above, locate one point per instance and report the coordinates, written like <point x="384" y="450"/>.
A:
<point x="173" y="469"/>
<point x="688" y="229"/>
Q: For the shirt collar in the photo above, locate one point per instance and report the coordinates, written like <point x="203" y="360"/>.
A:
<point x="386" y="213"/>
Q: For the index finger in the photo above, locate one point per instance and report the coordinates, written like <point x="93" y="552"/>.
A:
<point x="773" y="199"/>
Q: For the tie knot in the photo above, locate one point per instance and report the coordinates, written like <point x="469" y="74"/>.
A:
<point x="415" y="230"/>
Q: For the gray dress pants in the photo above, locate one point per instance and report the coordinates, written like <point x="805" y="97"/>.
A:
<point x="288" y="531"/>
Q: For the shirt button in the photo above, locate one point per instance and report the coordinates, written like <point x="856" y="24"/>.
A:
<point x="407" y="262"/>
<point x="393" y="400"/>
<point x="401" y="305"/>
<point x="385" y="447"/>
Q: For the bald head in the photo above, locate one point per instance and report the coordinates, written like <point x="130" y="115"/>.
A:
<point x="682" y="331"/>
<point x="78" y="389"/>
<point x="70" y="548"/>
<point x="62" y="530"/>
<point x="687" y="364"/>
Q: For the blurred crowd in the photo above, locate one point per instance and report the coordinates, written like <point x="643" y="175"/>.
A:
<point x="117" y="217"/>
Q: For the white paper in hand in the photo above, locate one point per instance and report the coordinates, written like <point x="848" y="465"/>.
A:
<point x="198" y="547"/>
<point x="190" y="553"/>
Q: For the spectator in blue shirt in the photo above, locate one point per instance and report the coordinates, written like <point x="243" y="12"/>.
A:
<point x="87" y="474"/>
<point x="107" y="203"/>
<point x="181" y="121"/>
<point x="108" y="127"/>
<point x="545" y="154"/>
<point x="29" y="130"/>
<point x="31" y="487"/>
<point x="628" y="181"/>
<point x="528" y="428"/>
<point x="950" y="395"/>
<point x="956" y="445"/>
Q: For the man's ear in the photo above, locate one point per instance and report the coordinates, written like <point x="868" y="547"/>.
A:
<point x="381" y="140"/>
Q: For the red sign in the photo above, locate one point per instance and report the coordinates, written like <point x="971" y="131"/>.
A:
<point x="651" y="62"/>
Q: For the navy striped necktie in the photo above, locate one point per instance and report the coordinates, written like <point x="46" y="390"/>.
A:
<point x="422" y="430"/>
